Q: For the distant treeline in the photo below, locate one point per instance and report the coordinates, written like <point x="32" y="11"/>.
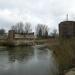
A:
<point x="41" y="30"/>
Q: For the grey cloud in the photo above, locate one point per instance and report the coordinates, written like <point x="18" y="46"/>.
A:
<point x="5" y="24"/>
<point x="49" y="12"/>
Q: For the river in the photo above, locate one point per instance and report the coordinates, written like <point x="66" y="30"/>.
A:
<point x="27" y="61"/>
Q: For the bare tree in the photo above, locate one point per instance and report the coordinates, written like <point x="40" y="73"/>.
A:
<point x="42" y="31"/>
<point x="18" y="28"/>
<point x="54" y="33"/>
<point x="14" y="27"/>
<point x="39" y="30"/>
<point x="45" y="31"/>
<point x="27" y="28"/>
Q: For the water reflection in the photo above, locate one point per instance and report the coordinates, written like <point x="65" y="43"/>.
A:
<point x="19" y="53"/>
<point x="27" y="61"/>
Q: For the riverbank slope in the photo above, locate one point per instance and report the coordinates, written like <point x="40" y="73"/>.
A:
<point x="64" y="52"/>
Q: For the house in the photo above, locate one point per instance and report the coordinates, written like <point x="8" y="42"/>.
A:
<point x="67" y="29"/>
<point x="21" y="39"/>
<point x="12" y="35"/>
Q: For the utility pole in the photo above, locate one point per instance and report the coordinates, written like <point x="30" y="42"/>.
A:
<point x="67" y="17"/>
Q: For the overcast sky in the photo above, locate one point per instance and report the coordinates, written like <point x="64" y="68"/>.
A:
<point x="49" y="12"/>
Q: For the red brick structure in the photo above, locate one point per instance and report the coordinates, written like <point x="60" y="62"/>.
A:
<point x="67" y="29"/>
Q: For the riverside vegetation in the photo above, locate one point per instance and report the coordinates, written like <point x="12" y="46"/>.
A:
<point x="64" y="52"/>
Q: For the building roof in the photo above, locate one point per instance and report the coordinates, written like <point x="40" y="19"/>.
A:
<point x="67" y="22"/>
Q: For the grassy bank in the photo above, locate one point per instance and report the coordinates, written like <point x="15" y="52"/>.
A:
<point x="13" y="43"/>
<point x="65" y="53"/>
<point x="7" y="43"/>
